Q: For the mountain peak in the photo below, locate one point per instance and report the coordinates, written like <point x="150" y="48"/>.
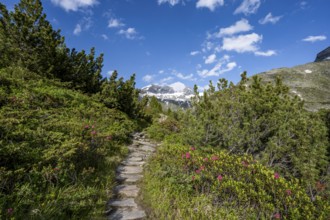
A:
<point x="176" y="93"/>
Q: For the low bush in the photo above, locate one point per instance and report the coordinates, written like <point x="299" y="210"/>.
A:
<point x="200" y="183"/>
<point x="58" y="149"/>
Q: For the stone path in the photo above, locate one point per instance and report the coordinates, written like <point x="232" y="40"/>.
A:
<point x="123" y="206"/>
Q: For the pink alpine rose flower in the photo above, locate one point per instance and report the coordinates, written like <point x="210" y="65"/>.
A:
<point x="276" y="175"/>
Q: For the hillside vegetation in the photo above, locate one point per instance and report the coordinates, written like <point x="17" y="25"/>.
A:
<point x="62" y="126"/>
<point x="311" y="82"/>
<point x="246" y="151"/>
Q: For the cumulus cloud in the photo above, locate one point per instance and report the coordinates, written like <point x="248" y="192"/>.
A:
<point x="267" y="53"/>
<point x="104" y="36"/>
<point x="211" y="59"/>
<point x="313" y="39"/>
<point x="222" y="66"/>
<point x="84" y="25"/>
<point x="165" y="80"/>
<point x="242" y="43"/>
<point x="270" y="19"/>
<point x="248" y="7"/>
<point x="129" y="33"/>
<point x="77" y="29"/>
<point x="194" y="53"/>
<point x="171" y="2"/>
<point x="148" y="78"/>
<point x="74" y="5"/>
<point x="240" y="26"/>
<point x="182" y="76"/>
<point x="115" y="23"/>
<point x="210" y="4"/>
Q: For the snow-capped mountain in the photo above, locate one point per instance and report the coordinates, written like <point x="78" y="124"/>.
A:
<point x="176" y="93"/>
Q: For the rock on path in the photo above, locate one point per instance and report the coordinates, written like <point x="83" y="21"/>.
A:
<point x="124" y="206"/>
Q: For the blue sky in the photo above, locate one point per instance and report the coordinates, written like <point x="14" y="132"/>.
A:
<point x="192" y="41"/>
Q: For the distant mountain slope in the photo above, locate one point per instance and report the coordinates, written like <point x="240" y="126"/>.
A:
<point x="172" y="96"/>
<point x="310" y="81"/>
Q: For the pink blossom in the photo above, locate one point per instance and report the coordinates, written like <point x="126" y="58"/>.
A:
<point x="109" y="137"/>
<point x="288" y="192"/>
<point x="206" y="159"/>
<point x="220" y="178"/>
<point x="192" y="148"/>
<point x="277" y="216"/>
<point x="86" y="127"/>
<point x="276" y="175"/>
<point x="214" y="158"/>
<point x="198" y="171"/>
<point x="188" y="155"/>
<point x="10" y="211"/>
<point x="93" y="132"/>
<point x="56" y="169"/>
<point x="202" y="168"/>
<point x="93" y="126"/>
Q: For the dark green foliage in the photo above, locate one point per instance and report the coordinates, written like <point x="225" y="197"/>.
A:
<point x="262" y="120"/>
<point x="122" y="95"/>
<point x="28" y="40"/>
<point x="58" y="148"/>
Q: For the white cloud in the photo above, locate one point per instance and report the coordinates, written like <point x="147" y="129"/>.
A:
<point x="115" y="23"/>
<point x="164" y="80"/>
<point x="171" y="2"/>
<point x="207" y="46"/>
<point x="104" y="36"/>
<point x="240" y="26"/>
<point x="248" y="7"/>
<point x="77" y="29"/>
<point x="74" y="5"/>
<point x="182" y="76"/>
<point x="314" y="38"/>
<point x="211" y="59"/>
<point x="148" y="78"/>
<point x="242" y="43"/>
<point x="270" y="19"/>
<point x="129" y="33"/>
<point x="267" y="53"/>
<point x="161" y="71"/>
<point x="210" y="4"/>
<point x="194" y="53"/>
<point x="222" y="66"/>
<point x="84" y="25"/>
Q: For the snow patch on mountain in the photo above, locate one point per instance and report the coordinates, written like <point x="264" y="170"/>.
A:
<point x="176" y="93"/>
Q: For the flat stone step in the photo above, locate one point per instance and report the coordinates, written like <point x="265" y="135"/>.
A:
<point x="130" y="169"/>
<point x="141" y="142"/>
<point x="136" y="159"/>
<point x="124" y="203"/>
<point x="127" y="190"/>
<point x="138" y="154"/>
<point x="147" y="148"/>
<point x="129" y="178"/>
<point x="122" y="214"/>
<point x="133" y="163"/>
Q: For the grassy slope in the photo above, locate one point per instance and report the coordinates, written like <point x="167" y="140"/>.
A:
<point x="58" y="149"/>
<point x="312" y="87"/>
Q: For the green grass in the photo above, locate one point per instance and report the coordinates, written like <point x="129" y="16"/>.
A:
<point x="313" y="87"/>
<point x="58" y="149"/>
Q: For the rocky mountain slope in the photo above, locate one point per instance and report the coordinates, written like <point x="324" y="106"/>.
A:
<point x="311" y="82"/>
<point x="172" y="96"/>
